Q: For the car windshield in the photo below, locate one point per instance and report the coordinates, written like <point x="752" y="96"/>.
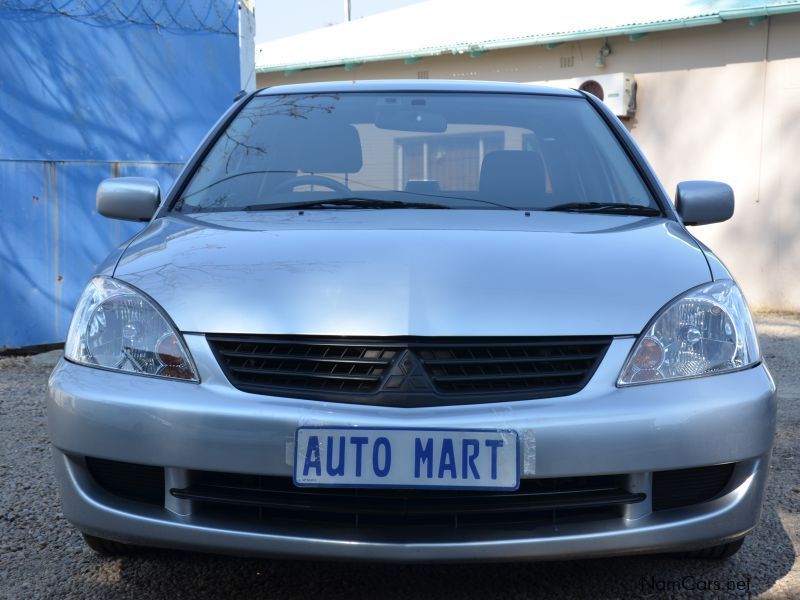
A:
<point x="417" y="150"/>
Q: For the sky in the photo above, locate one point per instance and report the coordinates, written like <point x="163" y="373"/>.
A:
<point x="279" y="18"/>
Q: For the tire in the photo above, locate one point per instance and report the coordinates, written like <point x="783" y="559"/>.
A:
<point x="106" y="547"/>
<point x="720" y="552"/>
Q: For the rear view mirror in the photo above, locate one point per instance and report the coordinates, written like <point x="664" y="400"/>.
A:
<point x="128" y="198"/>
<point x="411" y="120"/>
<point x="704" y="202"/>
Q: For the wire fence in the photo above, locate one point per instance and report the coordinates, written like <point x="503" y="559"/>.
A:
<point x="211" y="16"/>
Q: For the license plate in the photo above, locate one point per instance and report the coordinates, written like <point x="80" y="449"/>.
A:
<point x="406" y="458"/>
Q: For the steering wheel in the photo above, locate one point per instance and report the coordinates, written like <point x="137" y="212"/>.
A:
<point x="327" y="182"/>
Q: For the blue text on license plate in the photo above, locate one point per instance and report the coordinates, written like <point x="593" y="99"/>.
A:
<point x="406" y="458"/>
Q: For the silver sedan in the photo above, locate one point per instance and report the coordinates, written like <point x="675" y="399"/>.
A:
<point x="414" y="321"/>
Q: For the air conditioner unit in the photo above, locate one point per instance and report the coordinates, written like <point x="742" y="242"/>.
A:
<point x="616" y="90"/>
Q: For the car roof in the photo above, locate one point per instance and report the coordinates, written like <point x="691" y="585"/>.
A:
<point x="417" y="85"/>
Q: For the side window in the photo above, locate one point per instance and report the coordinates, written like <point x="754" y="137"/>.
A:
<point x="606" y="154"/>
<point x="565" y="180"/>
<point x="453" y="161"/>
<point x="580" y="165"/>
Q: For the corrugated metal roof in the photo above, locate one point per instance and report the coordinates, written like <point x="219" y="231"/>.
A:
<point x="462" y="26"/>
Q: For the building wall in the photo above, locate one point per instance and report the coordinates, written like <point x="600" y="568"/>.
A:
<point x="105" y="90"/>
<point x="715" y="102"/>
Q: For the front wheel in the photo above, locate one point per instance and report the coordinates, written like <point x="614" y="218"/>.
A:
<point x="106" y="547"/>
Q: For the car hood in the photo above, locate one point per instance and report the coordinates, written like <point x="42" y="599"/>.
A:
<point x="413" y="272"/>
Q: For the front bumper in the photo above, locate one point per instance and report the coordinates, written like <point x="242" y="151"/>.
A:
<point x="211" y="426"/>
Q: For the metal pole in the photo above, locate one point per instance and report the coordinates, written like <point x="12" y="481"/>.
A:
<point x="346" y="10"/>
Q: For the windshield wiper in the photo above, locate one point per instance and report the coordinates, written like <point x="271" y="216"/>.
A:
<point x="343" y="203"/>
<point x="607" y="207"/>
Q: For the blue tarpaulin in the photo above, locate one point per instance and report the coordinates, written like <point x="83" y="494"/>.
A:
<point x="90" y="90"/>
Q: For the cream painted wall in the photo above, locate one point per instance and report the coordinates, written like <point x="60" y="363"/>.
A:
<point x="716" y="102"/>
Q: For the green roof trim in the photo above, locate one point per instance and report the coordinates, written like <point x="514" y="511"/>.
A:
<point x="755" y="11"/>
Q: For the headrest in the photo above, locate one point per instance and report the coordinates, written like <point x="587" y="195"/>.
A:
<point x="312" y="146"/>
<point x="329" y="148"/>
<point x="513" y="177"/>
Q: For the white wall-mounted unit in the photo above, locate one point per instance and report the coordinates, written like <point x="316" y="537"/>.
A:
<point x="617" y="90"/>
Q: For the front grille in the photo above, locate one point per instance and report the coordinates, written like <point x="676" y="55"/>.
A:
<point x="468" y="367"/>
<point x="141" y="483"/>
<point x="250" y="501"/>
<point x="684" y="487"/>
<point x="409" y="372"/>
<point x="268" y="363"/>
<point x="249" y="498"/>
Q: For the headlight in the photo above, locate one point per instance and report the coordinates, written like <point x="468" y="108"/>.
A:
<point x="708" y="330"/>
<point x="117" y="327"/>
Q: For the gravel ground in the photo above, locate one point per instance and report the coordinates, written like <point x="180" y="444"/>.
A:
<point x="41" y="556"/>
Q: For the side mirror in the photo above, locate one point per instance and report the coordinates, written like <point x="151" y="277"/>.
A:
<point x="128" y="198"/>
<point x="704" y="202"/>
